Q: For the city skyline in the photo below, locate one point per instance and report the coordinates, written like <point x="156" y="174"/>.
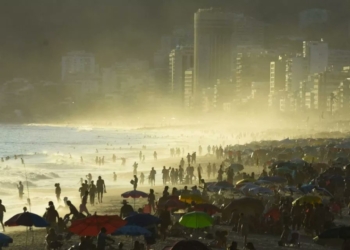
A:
<point x="224" y="61"/>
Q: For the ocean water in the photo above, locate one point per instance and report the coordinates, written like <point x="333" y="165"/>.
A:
<point x="52" y="154"/>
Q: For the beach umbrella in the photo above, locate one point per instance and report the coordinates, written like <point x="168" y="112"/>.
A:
<point x="274" y="179"/>
<point x="223" y="185"/>
<point x="283" y="170"/>
<point x="196" y="220"/>
<point x="323" y="191"/>
<point x="132" y="230"/>
<point x="134" y="194"/>
<point x="5" y="240"/>
<point x="246" y="186"/>
<point x="188" y="198"/>
<point x="246" y="205"/>
<point x="308" y="199"/>
<point x="187" y="244"/>
<point x="207" y="208"/>
<point x="142" y="220"/>
<point x="307" y="188"/>
<point x="244" y="181"/>
<point x="27" y="219"/>
<point x="174" y="204"/>
<point x="91" y="226"/>
<point x="260" y="190"/>
<point x="236" y="167"/>
<point x="274" y="212"/>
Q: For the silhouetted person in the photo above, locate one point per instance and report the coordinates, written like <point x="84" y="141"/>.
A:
<point x="2" y="211"/>
<point x="101" y="188"/>
<point x="20" y="190"/>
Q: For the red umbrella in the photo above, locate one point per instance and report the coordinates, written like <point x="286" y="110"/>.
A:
<point x="134" y="194"/>
<point x="206" y="207"/>
<point x="91" y="226"/>
<point x="174" y="204"/>
<point x="274" y="212"/>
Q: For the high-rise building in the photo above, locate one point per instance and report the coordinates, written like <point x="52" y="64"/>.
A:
<point x="251" y="67"/>
<point x="78" y="63"/>
<point x="325" y="84"/>
<point x="296" y="71"/>
<point x="212" y="47"/>
<point x="188" y="89"/>
<point x="316" y="54"/>
<point x="277" y="78"/>
<point x="180" y="60"/>
<point x="337" y="58"/>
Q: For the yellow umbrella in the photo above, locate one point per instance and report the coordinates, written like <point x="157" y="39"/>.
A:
<point x="308" y="199"/>
<point x="188" y="198"/>
<point x="245" y="180"/>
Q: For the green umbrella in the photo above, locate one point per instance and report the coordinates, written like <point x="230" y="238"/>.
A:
<point x="196" y="220"/>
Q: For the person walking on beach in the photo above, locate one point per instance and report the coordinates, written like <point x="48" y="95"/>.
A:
<point x="2" y="211"/>
<point x="20" y="190"/>
<point x="82" y="190"/>
<point x="101" y="188"/>
<point x="58" y="192"/>
<point x="92" y="193"/>
<point x="155" y="155"/>
<point x="83" y="207"/>
<point x="114" y="176"/>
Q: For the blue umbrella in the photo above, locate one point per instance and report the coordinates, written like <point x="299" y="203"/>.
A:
<point x="275" y="179"/>
<point x="27" y="219"/>
<point x="132" y="231"/>
<point x="142" y="220"/>
<point x="5" y="240"/>
<point x="307" y="188"/>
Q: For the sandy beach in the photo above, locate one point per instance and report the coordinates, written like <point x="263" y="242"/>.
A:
<point x="112" y="204"/>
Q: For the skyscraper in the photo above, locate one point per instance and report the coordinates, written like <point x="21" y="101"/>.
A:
<point x="316" y="54"/>
<point x="180" y="60"/>
<point x="212" y="47"/>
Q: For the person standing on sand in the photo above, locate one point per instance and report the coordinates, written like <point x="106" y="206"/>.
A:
<point x="152" y="199"/>
<point x="2" y="211"/>
<point x="125" y="210"/>
<point x="20" y="190"/>
<point x="153" y="176"/>
<point x="58" y="192"/>
<point x="114" y="177"/>
<point x="155" y="155"/>
<point x="101" y="188"/>
<point x="136" y="180"/>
